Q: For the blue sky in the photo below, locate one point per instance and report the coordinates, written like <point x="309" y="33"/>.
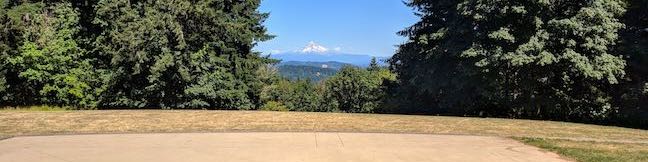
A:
<point x="349" y="26"/>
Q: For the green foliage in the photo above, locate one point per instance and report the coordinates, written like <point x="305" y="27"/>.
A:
<point x="632" y="94"/>
<point x="274" y="106"/>
<point x="586" y="151"/>
<point x="566" y="60"/>
<point x="49" y="60"/>
<point x="356" y="90"/>
<point x="11" y="34"/>
<point x="183" y="54"/>
<point x="37" y="108"/>
<point x="351" y="90"/>
<point x="373" y="65"/>
<point x="4" y="47"/>
<point x="300" y="95"/>
<point x="120" y="53"/>
<point x="513" y="58"/>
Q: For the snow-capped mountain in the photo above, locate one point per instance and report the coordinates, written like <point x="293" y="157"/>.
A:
<point x="314" y="52"/>
<point x="326" y="65"/>
<point x="313" y="47"/>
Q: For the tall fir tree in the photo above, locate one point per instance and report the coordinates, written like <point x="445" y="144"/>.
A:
<point x="183" y="54"/>
<point x="632" y="94"/>
<point x="538" y="59"/>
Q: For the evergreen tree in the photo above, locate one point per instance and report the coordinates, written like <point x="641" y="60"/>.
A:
<point x="121" y="53"/>
<point x="4" y="50"/>
<point x="373" y="65"/>
<point x="632" y="94"/>
<point x="545" y="59"/>
<point x="191" y="54"/>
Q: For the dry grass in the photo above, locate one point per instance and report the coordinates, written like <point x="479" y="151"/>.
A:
<point x="35" y="108"/>
<point x="21" y="123"/>
<point x="580" y="142"/>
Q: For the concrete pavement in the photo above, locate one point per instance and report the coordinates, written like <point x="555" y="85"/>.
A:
<point x="264" y="147"/>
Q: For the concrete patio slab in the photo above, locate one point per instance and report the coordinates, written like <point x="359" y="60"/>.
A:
<point x="268" y="147"/>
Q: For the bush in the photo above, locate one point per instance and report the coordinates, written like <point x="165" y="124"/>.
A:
<point x="300" y="95"/>
<point x="274" y="106"/>
<point x="356" y="90"/>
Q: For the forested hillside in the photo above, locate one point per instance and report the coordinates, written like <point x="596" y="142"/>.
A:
<point x="302" y="72"/>
<point x="315" y="71"/>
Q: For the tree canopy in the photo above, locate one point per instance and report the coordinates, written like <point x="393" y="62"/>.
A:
<point x="122" y="53"/>
<point x="534" y="59"/>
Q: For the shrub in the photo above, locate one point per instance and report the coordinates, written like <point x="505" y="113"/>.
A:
<point x="356" y="90"/>
<point x="274" y="106"/>
<point x="300" y="95"/>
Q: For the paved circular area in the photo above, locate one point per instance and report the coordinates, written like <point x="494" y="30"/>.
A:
<point x="263" y="147"/>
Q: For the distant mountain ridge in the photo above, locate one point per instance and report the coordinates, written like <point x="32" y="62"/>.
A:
<point x="317" y="63"/>
<point x="329" y="64"/>
<point x="316" y="53"/>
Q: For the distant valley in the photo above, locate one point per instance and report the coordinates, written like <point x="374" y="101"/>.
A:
<point x="315" y="71"/>
<point x="316" y="62"/>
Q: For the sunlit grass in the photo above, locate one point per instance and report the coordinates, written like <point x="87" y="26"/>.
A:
<point x="554" y="136"/>
<point x="588" y="151"/>
<point x="145" y="121"/>
<point x="36" y="108"/>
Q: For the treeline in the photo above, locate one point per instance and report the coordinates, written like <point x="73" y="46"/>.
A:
<point x="570" y="60"/>
<point x="352" y="90"/>
<point x="131" y="53"/>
